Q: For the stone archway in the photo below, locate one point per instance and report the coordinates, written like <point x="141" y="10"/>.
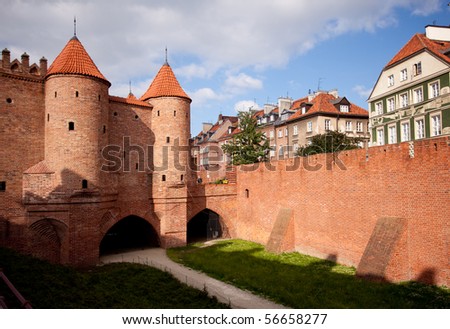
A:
<point x="204" y="226"/>
<point x="45" y="239"/>
<point x="131" y="232"/>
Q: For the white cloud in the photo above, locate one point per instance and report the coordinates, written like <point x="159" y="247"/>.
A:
<point x="245" y="105"/>
<point x="241" y="83"/>
<point x="203" y="95"/>
<point x="362" y="91"/>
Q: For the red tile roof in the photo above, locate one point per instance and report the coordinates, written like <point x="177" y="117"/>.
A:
<point x="74" y="59"/>
<point x="39" y="168"/>
<point x="165" y="84"/>
<point x="322" y="104"/>
<point x="420" y="42"/>
<point x="131" y="99"/>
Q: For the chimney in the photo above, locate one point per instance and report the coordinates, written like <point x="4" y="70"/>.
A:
<point x="284" y="103"/>
<point x="438" y="33"/>
<point x="43" y="66"/>
<point x="220" y="119"/>
<point x="206" y="126"/>
<point x="25" y="62"/>
<point x="6" y="58"/>
<point x="268" y="108"/>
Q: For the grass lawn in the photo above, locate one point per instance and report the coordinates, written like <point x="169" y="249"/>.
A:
<point x="111" y="286"/>
<point x="301" y="281"/>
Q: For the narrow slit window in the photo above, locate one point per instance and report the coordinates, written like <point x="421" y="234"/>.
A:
<point x="104" y="129"/>
<point x="84" y="183"/>
<point x="167" y="139"/>
<point x="247" y="193"/>
<point x="163" y="178"/>
<point x="48" y="117"/>
<point x="174" y="113"/>
<point x="2" y="186"/>
<point x="99" y="97"/>
<point x="182" y="178"/>
<point x="137" y="166"/>
<point x="77" y="94"/>
<point x="71" y="125"/>
<point x="56" y="94"/>
<point x="158" y="113"/>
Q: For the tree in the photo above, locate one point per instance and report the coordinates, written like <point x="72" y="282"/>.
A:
<point x="249" y="145"/>
<point x="330" y="142"/>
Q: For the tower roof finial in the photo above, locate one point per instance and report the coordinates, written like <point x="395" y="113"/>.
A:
<point x="166" y="62"/>
<point x="74" y="26"/>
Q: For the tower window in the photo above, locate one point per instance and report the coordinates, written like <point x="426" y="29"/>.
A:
<point x="99" y="97"/>
<point x="247" y="193"/>
<point x="104" y="129"/>
<point x="71" y="125"/>
<point x="84" y="183"/>
<point x="9" y="100"/>
<point x="158" y="113"/>
<point x="2" y="186"/>
<point x="48" y="116"/>
<point x="76" y="94"/>
<point x="115" y="114"/>
<point x="182" y="177"/>
<point x="137" y="166"/>
<point x="174" y="113"/>
<point x="163" y="178"/>
<point x="136" y="117"/>
<point x="167" y="139"/>
<point x="56" y="94"/>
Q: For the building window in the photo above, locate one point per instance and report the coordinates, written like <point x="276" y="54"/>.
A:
<point x="296" y="147"/>
<point x="303" y="109"/>
<point x="280" y="133"/>
<point x="391" y="104"/>
<point x="84" y="183"/>
<point x="390" y="80"/>
<point x="285" y="132"/>
<point x="271" y="134"/>
<point x="403" y="75"/>
<point x="56" y="94"/>
<point x="348" y="126"/>
<point x="344" y="108"/>
<point x="359" y="127"/>
<point x="163" y="178"/>
<point x="272" y="117"/>
<point x="405" y="136"/>
<point x="417" y="68"/>
<point x="380" y="136"/>
<point x="77" y="94"/>
<point x="309" y="127"/>
<point x="2" y="186"/>
<point x="167" y="139"/>
<point x="182" y="178"/>
<point x="281" y="151"/>
<point x="48" y="117"/>
<point x="418" y="95"/>
<point x="420" y="128"/>
<point x="272" y="150"/>
<point x="104" y="129"/>
<point x="434" y="89"/>
<point x="295" y="132"/>
<point x="436" y="125"/>
<point x="327" y="124"/>
<point x="404" y="100"/>
<point x="157" y="113"/>
<point x="379" y="108"/>
<point x="71" y="125"/>
<point x="392" y="134"/>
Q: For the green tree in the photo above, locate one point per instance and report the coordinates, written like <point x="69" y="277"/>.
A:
<point x="330" y="142"/>
<point x="249" y="145"/>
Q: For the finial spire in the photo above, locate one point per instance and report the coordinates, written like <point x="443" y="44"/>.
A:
<point x="130" y="86"/>
<point x="166" y="62"/>
<point x="74" y="26"/>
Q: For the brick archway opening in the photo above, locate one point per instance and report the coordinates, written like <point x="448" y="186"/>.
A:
<point x="130" y="233"/>
<point x="205" y="226"/>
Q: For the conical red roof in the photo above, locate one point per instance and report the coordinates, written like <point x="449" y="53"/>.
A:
<point x="165" y="84"/>
<point x="74" y="59"/>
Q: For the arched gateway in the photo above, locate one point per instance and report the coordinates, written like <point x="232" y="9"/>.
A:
<point x="206" y="225"/>
<point x="132" y="232"/>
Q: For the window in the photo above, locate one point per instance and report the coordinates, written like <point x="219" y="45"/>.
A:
<point x="2" y="186"/>
<point x="295" y="132"/>
<point x="104" y="129"/>
<point x="390" y="80"/>
<point x="420" y="128"/>
<point x="348" y="126"/>
<point x="379" y="108"/>
<point x="285" y="132"/>
<point x="405" y="132"/>
<point x="71" y="125"/>
<point x="48" y="117"/>
<point x="392" y="134"/>
<point x="76" y="94"/>
<point x="84" y="183"/>
<point x="167" y="139"/>
<point x="344" y="108"/>
<point x="56" y="94"/>
<point x="281" y="151"/>
<point x="436" y="125"/>
<point x="303" y="109"/>
<point x="417" y="68"/>
<point x="434" y="89"/>
<point x="259" y="121"/>
<point x="309" y="127"/>
<point x="174" y="113"/>
<point x="182" y="178"/>
<point x="391" y="104"/>
<point x="157" y="113"/>
<point x="380" y="136"/>
<point x="296" y="147"/>
<point x="280" y="133"/>
<point x="163" y="178"/>
<point x="359" y="127"/>
<point x="272" y="150"/>
<point x="403" y="75"/>
<point x="327" y="124"/>
<point x="271" y="134"/>
<point x="404" y="100"/>
<point x="272" y="117"/>
<point x="418" y="95"/>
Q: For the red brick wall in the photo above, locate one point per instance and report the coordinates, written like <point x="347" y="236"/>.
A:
<point x="336" y="209"/>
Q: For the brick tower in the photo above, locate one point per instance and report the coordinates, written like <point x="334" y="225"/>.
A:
<point x="171" y="128"/>
<point x="76" y="119"/>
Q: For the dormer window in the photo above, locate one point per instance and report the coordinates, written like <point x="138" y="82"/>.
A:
<point x="259" y="121"/>
<point x="303" y="109"/>
<point x="272" y="117"/>
<point x="344" y="108"/>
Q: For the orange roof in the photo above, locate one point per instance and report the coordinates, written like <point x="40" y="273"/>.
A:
<point x="420" y="42"/>
<point x="322" y="103"/>
<point x="74" y="59"/>
<point x="131" y="99"/>
<point x="165" y="84"/>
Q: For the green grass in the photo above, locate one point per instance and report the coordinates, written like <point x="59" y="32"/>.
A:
<point x="301" y="281"/>
<point x="111" y="286"/>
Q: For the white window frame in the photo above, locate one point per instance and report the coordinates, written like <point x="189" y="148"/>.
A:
<point x="405" y="134"/>
<point x="348" y="126"/>
<point x="359" y="127"/>
<point x="327" y="124"/>
<point x="391" y="104"/>
<point x="392" y="134"/>
<point x="380" y="136"/>
<point x="344" y="108"/>
<point x="390" y="80"/>
<point x="295" y="130"/>
<point x="404" y="101"/>
<point x="418" y="95"/>
<point x="309" y="127"/>
<point x="435" y="124"/>
<point x="280" y="133"/>
<point x="286" y="132"/>
<point x="379" y="108"/>
<point x="434" y="88"/>
<point x="419" y="128"/>
<point x="404" y="74"/>
<point x="417" y="68"/>
<point x="271" y="134"/>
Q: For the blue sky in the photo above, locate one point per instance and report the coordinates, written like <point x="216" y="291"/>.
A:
<point x="226" y="54"/>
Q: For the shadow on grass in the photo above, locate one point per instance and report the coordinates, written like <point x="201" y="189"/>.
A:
<point x="301" y="281"/>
